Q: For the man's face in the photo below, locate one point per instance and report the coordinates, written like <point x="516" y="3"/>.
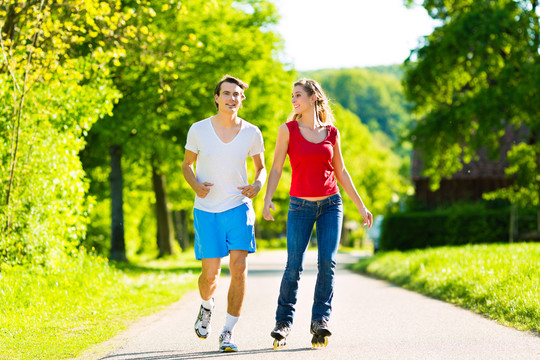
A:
<point x="230" y="97"/>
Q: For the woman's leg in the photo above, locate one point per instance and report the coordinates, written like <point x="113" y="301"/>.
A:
<point x="300" y="221"/>
<point x="329" y="223"/>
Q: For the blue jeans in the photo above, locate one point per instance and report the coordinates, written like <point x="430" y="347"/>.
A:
<point x="303" y="214"/>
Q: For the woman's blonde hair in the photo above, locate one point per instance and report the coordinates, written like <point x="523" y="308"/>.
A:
<point x="322" y="108"/>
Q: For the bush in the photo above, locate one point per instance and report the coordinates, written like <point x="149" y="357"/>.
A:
<point x="458" y="225"/>
<point x="53" y="88"/>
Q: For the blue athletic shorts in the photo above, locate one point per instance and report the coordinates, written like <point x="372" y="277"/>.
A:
<point x="218" y="233"/>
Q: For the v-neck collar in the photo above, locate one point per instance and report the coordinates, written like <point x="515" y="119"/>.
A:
<point x="217" y="136"/>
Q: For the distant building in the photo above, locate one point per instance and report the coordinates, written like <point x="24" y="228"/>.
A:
<point x="476" y="178"/>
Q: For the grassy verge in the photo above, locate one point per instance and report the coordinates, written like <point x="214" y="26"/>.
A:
<point x="57" y="313"/>
<point x="499" y="281"/>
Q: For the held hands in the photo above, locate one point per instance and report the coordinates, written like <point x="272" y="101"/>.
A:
<point x="250" y="191"/>
<point x="266" y="210"/>
<point x="367" y="216"/>
<point x="202" y="189"/>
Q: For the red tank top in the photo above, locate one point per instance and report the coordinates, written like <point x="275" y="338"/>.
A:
<point x="312" y="170"/>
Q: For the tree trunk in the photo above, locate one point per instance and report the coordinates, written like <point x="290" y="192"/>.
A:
<point x="163" y="215"/>
<point x="537" y="150"/>
<point x="513" y="224"/>
<point x="181" y="228"/>
<point x="118" y="245"/>
<point x="345" y="235"/>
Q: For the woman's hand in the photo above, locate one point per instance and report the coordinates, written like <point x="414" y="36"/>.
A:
<point x="367" y="216"/>
<point x="266" y="210"/>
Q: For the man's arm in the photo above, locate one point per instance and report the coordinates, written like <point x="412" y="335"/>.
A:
<point x="252" y="190"/>
<point x="201" y="189"/>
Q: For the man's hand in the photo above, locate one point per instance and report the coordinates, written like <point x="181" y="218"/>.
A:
<point x="250" y="191"/>
<point x="202" y="189"/>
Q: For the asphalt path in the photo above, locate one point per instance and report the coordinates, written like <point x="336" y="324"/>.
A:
<point x="371" y="319"/>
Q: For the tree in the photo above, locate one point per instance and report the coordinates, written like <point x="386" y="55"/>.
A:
<point x="52" y="89"/>
<point x="475" y="76"/>
<point x="166" y="78"/>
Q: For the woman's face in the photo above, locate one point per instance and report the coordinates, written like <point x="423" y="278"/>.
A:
<point x="301" y="101"/>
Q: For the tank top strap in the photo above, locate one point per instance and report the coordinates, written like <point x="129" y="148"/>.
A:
<point x="293" y="128"/>
<point x="332" y="134"/>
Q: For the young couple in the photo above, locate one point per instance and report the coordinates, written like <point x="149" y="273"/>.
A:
<point x="223" y="213"/>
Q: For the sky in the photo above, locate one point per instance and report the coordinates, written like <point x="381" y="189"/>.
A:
<point x="349" y="33"/>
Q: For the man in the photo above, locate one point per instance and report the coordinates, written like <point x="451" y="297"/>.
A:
<point x="223" y="212"/>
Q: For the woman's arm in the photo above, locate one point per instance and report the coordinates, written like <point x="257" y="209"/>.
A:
<point x="342" y="175"/>
<point x="280" y="153"/>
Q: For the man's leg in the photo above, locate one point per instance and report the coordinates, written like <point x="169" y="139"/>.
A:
<point x="207" y="286"/>
<point x="239" y="223"/>
<point x="208" y="279"/>
<point x="237" y="289"/>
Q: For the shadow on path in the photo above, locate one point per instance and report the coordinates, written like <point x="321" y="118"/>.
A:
<point x="174" y="355"/>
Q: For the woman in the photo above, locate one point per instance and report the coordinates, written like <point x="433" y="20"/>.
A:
<point x="313" y="146"/>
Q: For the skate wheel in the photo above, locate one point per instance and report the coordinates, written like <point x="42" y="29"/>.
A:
<point x="279" y="344"/>
<point x="319" y="341"/>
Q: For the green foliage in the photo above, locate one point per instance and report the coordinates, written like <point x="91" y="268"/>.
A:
<point x="475" y="77"/>
<point x="56" y="313"/>
<point x="373" y="167"/>
<point x="52" y="89"/>
<point x="375" y="95"/>
<point x="458" y="225"/>
<point x="499" y="281"/>
<point x="395" y="70"/>
<point x="524" y="169"/>
<point x="167" y="78"/>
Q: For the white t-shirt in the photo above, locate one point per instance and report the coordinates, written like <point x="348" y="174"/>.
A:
<point x="223" y="164"/>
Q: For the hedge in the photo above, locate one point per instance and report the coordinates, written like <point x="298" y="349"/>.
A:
<point x="417" y="230"/>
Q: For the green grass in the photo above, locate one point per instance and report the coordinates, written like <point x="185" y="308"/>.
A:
<point x="57" y="313"/>
<point x="501" y="281"/>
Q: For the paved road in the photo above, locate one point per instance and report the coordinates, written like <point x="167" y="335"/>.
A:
<point x="371" y="320"/>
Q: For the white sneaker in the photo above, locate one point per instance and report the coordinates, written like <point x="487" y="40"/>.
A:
<point x="226" y="342"/>
<point x="202" y="325"/>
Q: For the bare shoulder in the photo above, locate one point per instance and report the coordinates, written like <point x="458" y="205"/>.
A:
<point x="284" y="128"/>
<point x="283" y="131"/>
<point x="336" y="130"/>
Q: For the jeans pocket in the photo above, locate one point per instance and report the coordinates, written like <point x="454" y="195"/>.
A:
<point x="337" y="200"/>
<point x="294" y="205"/>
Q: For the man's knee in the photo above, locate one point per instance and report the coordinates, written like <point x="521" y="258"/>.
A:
<point x="238" y="268"/>
<point x="210" y="276"/>
<point x="238" y="264"/>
